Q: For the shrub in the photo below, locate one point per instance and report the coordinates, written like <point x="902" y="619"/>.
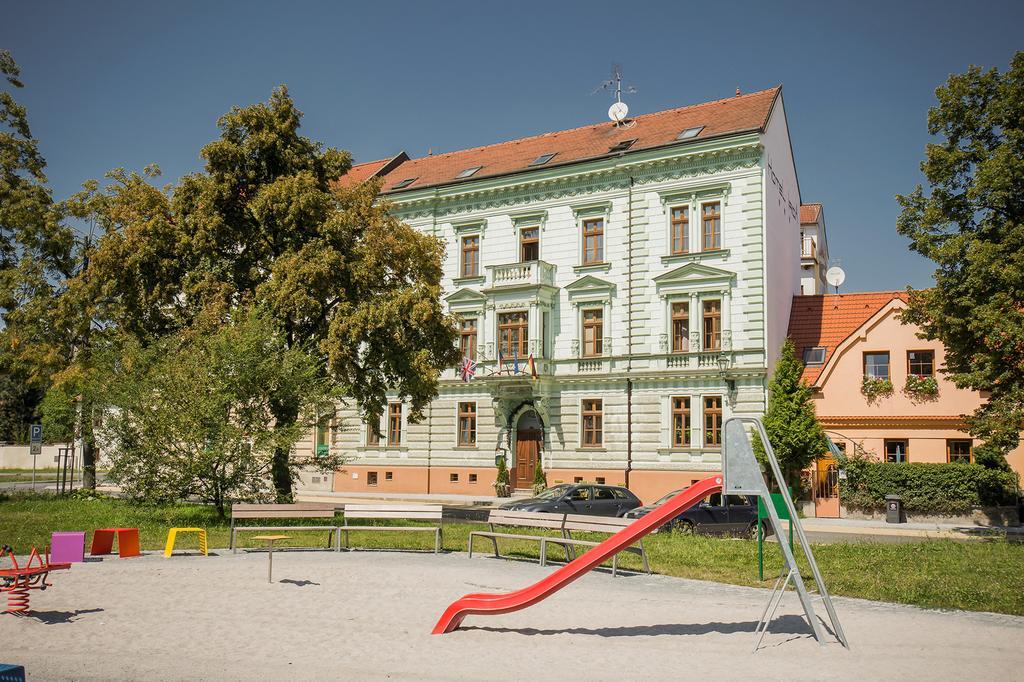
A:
<point x="942" y="489"/>
<point x="502" y="486"/>
<point x="540" y="480"/>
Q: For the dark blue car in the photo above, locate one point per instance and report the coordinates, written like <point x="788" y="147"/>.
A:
<point x="737" y="517"/>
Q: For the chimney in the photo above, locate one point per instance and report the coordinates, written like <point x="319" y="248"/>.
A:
<point x="737" y="91"/>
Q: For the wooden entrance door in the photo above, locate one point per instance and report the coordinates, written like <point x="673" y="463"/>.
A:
<point x="527" y="449"/>
<point x="826" y="488"/>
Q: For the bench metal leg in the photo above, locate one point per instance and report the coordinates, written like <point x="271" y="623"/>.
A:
<point x="437" y="541"/>
<point x="495" y="541"/>
<point x="643" y="557"/>
<point x="470" y="547"/>
<point x="234" y="549"/>
<point x="615" y="565"/>
<point x="543" y="553"/>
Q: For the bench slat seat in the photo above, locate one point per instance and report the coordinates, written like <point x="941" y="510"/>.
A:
<point x="298" y="510"/>
<point x="403" y="512"/>
<point x="563" y="523"/>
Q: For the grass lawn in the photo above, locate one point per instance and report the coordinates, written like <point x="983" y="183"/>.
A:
<point x="976" y="576"/>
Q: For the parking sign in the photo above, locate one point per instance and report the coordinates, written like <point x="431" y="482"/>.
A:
<point x="35" y="440"/>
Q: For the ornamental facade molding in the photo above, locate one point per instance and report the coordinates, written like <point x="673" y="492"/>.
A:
<point x="582" y="184"/>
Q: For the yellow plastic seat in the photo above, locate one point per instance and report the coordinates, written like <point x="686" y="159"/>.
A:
<point x="172" y="535"/>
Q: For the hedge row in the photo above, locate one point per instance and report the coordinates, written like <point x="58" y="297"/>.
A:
<point x="942" y="489"/>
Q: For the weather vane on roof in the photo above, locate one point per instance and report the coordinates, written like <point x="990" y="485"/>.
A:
<point x="618" y="111"/>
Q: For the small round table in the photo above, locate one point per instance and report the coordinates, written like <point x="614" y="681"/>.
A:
<point x="270" y="552"/>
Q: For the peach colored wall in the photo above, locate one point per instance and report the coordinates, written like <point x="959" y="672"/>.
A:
<point x="413" y="479"/>
<point x="839" y="394"/>
<point x="650" y="486"/>
<point x="841" y="380"/>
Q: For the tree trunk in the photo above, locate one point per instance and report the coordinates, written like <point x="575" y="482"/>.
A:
<point x="88" y="445"/>
<point x="286" y="413"/>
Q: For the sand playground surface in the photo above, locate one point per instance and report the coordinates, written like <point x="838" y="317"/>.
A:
<point x="368" y="615"/>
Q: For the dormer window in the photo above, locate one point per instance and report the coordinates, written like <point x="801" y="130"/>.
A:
<point x="404" y="183"/>
<point x="542" y="159"/>
<point x="468" y="172"/>
<point x="690" y="133"/>
<point x="622" y="146"/>
<point x="814" y="355"/>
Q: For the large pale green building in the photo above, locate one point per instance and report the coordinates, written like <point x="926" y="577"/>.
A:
<point x="647" y="268"/>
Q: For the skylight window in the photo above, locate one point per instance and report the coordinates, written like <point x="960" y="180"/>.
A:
<point x="622" y="146"/>
<point x="468" y="172"/>
<point x="404" y="183"/>
<point x="690" y="133"/>
<point x="542" y="159"/>
<point x="814" y="356"/>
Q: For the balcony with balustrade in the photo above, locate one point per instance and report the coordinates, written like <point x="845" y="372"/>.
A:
<point x="527" y="273"/>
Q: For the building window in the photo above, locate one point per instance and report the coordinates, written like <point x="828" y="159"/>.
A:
<point x="711" y="218"/>
<point x="680" y="422"/>
<point x="529" y="244"/>
<point x="394" y="423"/>
<point x="600" y="481"/>
<point x="959" y="451"/>
<point x="467" y="338"/>
<point x="896" y="451"/>
<point x="513" y="334"/>
<point x="372" y="437"/>
<point x="680" y="327"/>
<point x="680" y="230"/>
<point x="593" y="332"/>
<point x="371" y="478"/>
<point x="467" y="424"/>
<point x="389" y="475"/>
<point x="322" y="444"/>
<point x="713" y="421"/>
<point x="814" y="356"/>
<point x="876" y="365"/>
<point x="593" y="423"/>
<point x="453" y="478"/>
<point x="593" y="241"/>
<point x="921" y="363"/>
<point x="472" y="478"/>
<point x="712" y="325"/>
<point x="471" y="256"/>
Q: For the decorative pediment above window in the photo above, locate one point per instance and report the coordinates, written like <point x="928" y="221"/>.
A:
<point x="591" y="209"/>
<point x="477" y="225"/>
<point x="465" y="300"/>
<point x="694" y="277"/>
<point x="590" y="289"/>
<point x="529" y="219"/>
<point x="696" y="193"/>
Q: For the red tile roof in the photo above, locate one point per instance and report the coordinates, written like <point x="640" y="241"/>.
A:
<point x="827" y="320"/>
<point x="809" y="213"/>
<point x="741" y="113"/>
<point x="364" y="171"/>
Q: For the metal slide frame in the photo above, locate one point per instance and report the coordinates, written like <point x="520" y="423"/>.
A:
<point x="742" y="476"/>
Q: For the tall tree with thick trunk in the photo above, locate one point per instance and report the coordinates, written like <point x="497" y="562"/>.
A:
<point x="971" y="223"/>
<point x="263" y="224"/>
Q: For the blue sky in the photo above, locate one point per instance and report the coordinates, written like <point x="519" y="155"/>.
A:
<point x="117" y="84"/>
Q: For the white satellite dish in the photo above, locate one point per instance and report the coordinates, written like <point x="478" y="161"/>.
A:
<point x="835" y="276"/>
<point x="617" y="112"/>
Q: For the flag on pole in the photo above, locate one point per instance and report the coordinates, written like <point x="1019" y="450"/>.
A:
<point x="468" y="369"/>
<point x="501" y="361"/>
<point x="515" y="361"/>
<point x="531" y="367"/>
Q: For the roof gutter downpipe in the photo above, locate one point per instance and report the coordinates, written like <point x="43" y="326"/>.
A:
<point x="629" y="330"/>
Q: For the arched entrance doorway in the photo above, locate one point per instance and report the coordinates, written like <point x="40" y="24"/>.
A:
<point x="529" y="443"/>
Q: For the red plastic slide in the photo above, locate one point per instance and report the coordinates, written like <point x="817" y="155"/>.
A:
<point x="494" y="604"/>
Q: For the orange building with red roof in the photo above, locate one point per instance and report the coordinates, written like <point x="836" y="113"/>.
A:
<point x="879" y="386"/>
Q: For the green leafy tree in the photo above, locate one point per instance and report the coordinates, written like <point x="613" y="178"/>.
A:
<point x="971" y="224"/>
<point x="191" y="414"/>
<point x="264" y="224"/>
<point x="790" y="421"/>
<point x="38" y="253"/>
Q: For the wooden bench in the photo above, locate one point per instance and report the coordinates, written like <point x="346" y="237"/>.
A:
<point x="521" y="519"/>
<point x="404" y="512"/>
<point x="299" y="510"/>
<point x="592" y="524"/>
